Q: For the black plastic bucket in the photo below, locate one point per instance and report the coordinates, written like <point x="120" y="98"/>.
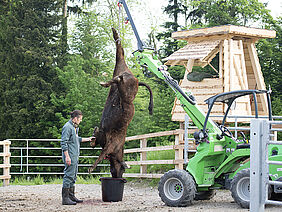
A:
<point x="112" y="189"/>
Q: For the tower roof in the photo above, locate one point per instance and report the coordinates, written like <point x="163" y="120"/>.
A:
<point x="241" y="31"/>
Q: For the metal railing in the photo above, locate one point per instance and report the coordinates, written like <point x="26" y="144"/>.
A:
<point x="190" y="129"/>
<point x="262" y="135"/>
<point x="24" y="154"/>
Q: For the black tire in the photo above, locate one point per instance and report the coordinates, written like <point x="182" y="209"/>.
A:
<point x="240" y="188"/>
<point x="177" y="188"/>
<point x="276" y="196"/>
<point x="205" y="195"/>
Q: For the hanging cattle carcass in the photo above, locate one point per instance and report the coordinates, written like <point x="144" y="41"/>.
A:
<point x="118" y="113"/>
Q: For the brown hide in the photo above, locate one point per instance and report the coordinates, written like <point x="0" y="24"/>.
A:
<point x="117" y="114"/>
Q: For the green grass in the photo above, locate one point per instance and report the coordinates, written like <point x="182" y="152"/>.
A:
<point x="39" y="180"/>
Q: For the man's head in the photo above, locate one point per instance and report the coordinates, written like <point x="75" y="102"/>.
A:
<point x="76" y="117"/>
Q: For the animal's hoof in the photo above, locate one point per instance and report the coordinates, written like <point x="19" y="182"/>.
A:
<point x="95" y="131"/>
<point x="93" y="143"/>
<point x="125" y="166"/>
<point x="104" y="84"/>
<point x="90" y="170"/>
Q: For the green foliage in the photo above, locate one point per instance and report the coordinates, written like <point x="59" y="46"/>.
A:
<point x="86" y="68"/>
<point x="270" y="56"/>
<point x="218" y="12"/>
<point x="28" y="36"/>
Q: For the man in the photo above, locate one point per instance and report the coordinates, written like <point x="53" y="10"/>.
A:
<point x="70" y="145"/>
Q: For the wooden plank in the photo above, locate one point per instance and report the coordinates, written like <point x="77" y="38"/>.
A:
<point x="4" y="177"/>
<point x="224" y="30"/>
<point x="151" y="149"/>
<point x="220" y="60"/>
<point x="204" y="82"/>
<point x="257" y="73"/>
<point x="5" y="154"/>
<point x="226" y="72"/>
<point x="189" y="67"/>
<point x="143" y="155"/>
<point x="238" y="72"/>
<point x="231" y="66"/>
<point x="243" y="65"/>
<point x="6" y="142"/>
<point x="152" y="135"/>
<point x="5" y="166"/>
<point x="152" y="162"/>
<point x="138" y="175"/>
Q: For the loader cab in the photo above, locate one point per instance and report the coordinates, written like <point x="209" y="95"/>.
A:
<point x="229" y="98"/>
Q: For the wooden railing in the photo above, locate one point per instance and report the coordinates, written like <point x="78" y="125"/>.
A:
<point x="178" y="146"/>
<point x="6" y="162"/>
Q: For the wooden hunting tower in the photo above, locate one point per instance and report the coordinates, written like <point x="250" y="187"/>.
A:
<point x="238" y="69"/>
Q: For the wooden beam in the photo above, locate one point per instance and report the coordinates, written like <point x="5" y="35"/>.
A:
<point x="226" y="73"/>
<point x="258" y="74"/>
<point x="246" y="32"/>
<point x="4" y="177"/>
<point x="189" y="67"/>
<point x="238" y="72"/>
<point x="157" y="134"/>
<point x="220" y="59"/>
<point x="142" y="175"/>
<point x="231" y="65"/>
<point x="152" y="162"/>
<point x="143" y="156"/>
<point x="153" y="149"/>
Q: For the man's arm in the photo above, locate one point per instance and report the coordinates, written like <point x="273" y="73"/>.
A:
<point x="87" y="139"/>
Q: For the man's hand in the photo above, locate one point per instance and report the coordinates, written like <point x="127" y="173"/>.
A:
<point x="93" y="142"/>
<point x="68" y="160"/>
<point x="90" y="139"/>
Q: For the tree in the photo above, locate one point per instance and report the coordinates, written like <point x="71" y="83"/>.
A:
<point x="270" y="56"/>
<point x="174" y="9"/>
<point x="29" y="32"/>
<point x="222" y="12"/>
<point x="90" y="63"/>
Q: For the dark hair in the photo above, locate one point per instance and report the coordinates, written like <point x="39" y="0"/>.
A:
<point x="75" y="113"/>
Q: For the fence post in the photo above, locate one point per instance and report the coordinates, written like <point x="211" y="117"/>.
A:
<point x="258" y="171"/>
<point x="6" y="166"/>
<point x="186" y="142"/>
<point x="143" y="156"/>
<point x="178" y="152"/>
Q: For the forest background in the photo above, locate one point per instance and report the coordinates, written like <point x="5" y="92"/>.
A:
<point x="53" y="55"/>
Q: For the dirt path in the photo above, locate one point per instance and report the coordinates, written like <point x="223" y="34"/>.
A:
<point x="136" y="198"/>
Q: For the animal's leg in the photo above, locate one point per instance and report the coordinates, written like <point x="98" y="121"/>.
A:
<point x="117" y="169"/>
<point x="95" y="134"/>
<point x="100" y="158"/>
<point x="116" y="79"/>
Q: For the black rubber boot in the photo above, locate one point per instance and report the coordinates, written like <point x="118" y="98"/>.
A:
<point x="72" y="197"/>
<point x="66" y="197"/>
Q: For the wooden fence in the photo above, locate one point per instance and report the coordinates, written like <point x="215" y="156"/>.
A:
<point x="177" y="161"/>
<point x="178" y="146"/>
<point x="6" y="162"/>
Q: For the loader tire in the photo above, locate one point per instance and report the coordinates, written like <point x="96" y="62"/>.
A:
<point x="240" y="188"/>
<point x="177" y="188"/>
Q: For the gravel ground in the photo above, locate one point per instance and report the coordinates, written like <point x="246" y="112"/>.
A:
<point x="137" y="197"/>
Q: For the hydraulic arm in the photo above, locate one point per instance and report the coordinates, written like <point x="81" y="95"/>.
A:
<point x="147" y="58"/>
